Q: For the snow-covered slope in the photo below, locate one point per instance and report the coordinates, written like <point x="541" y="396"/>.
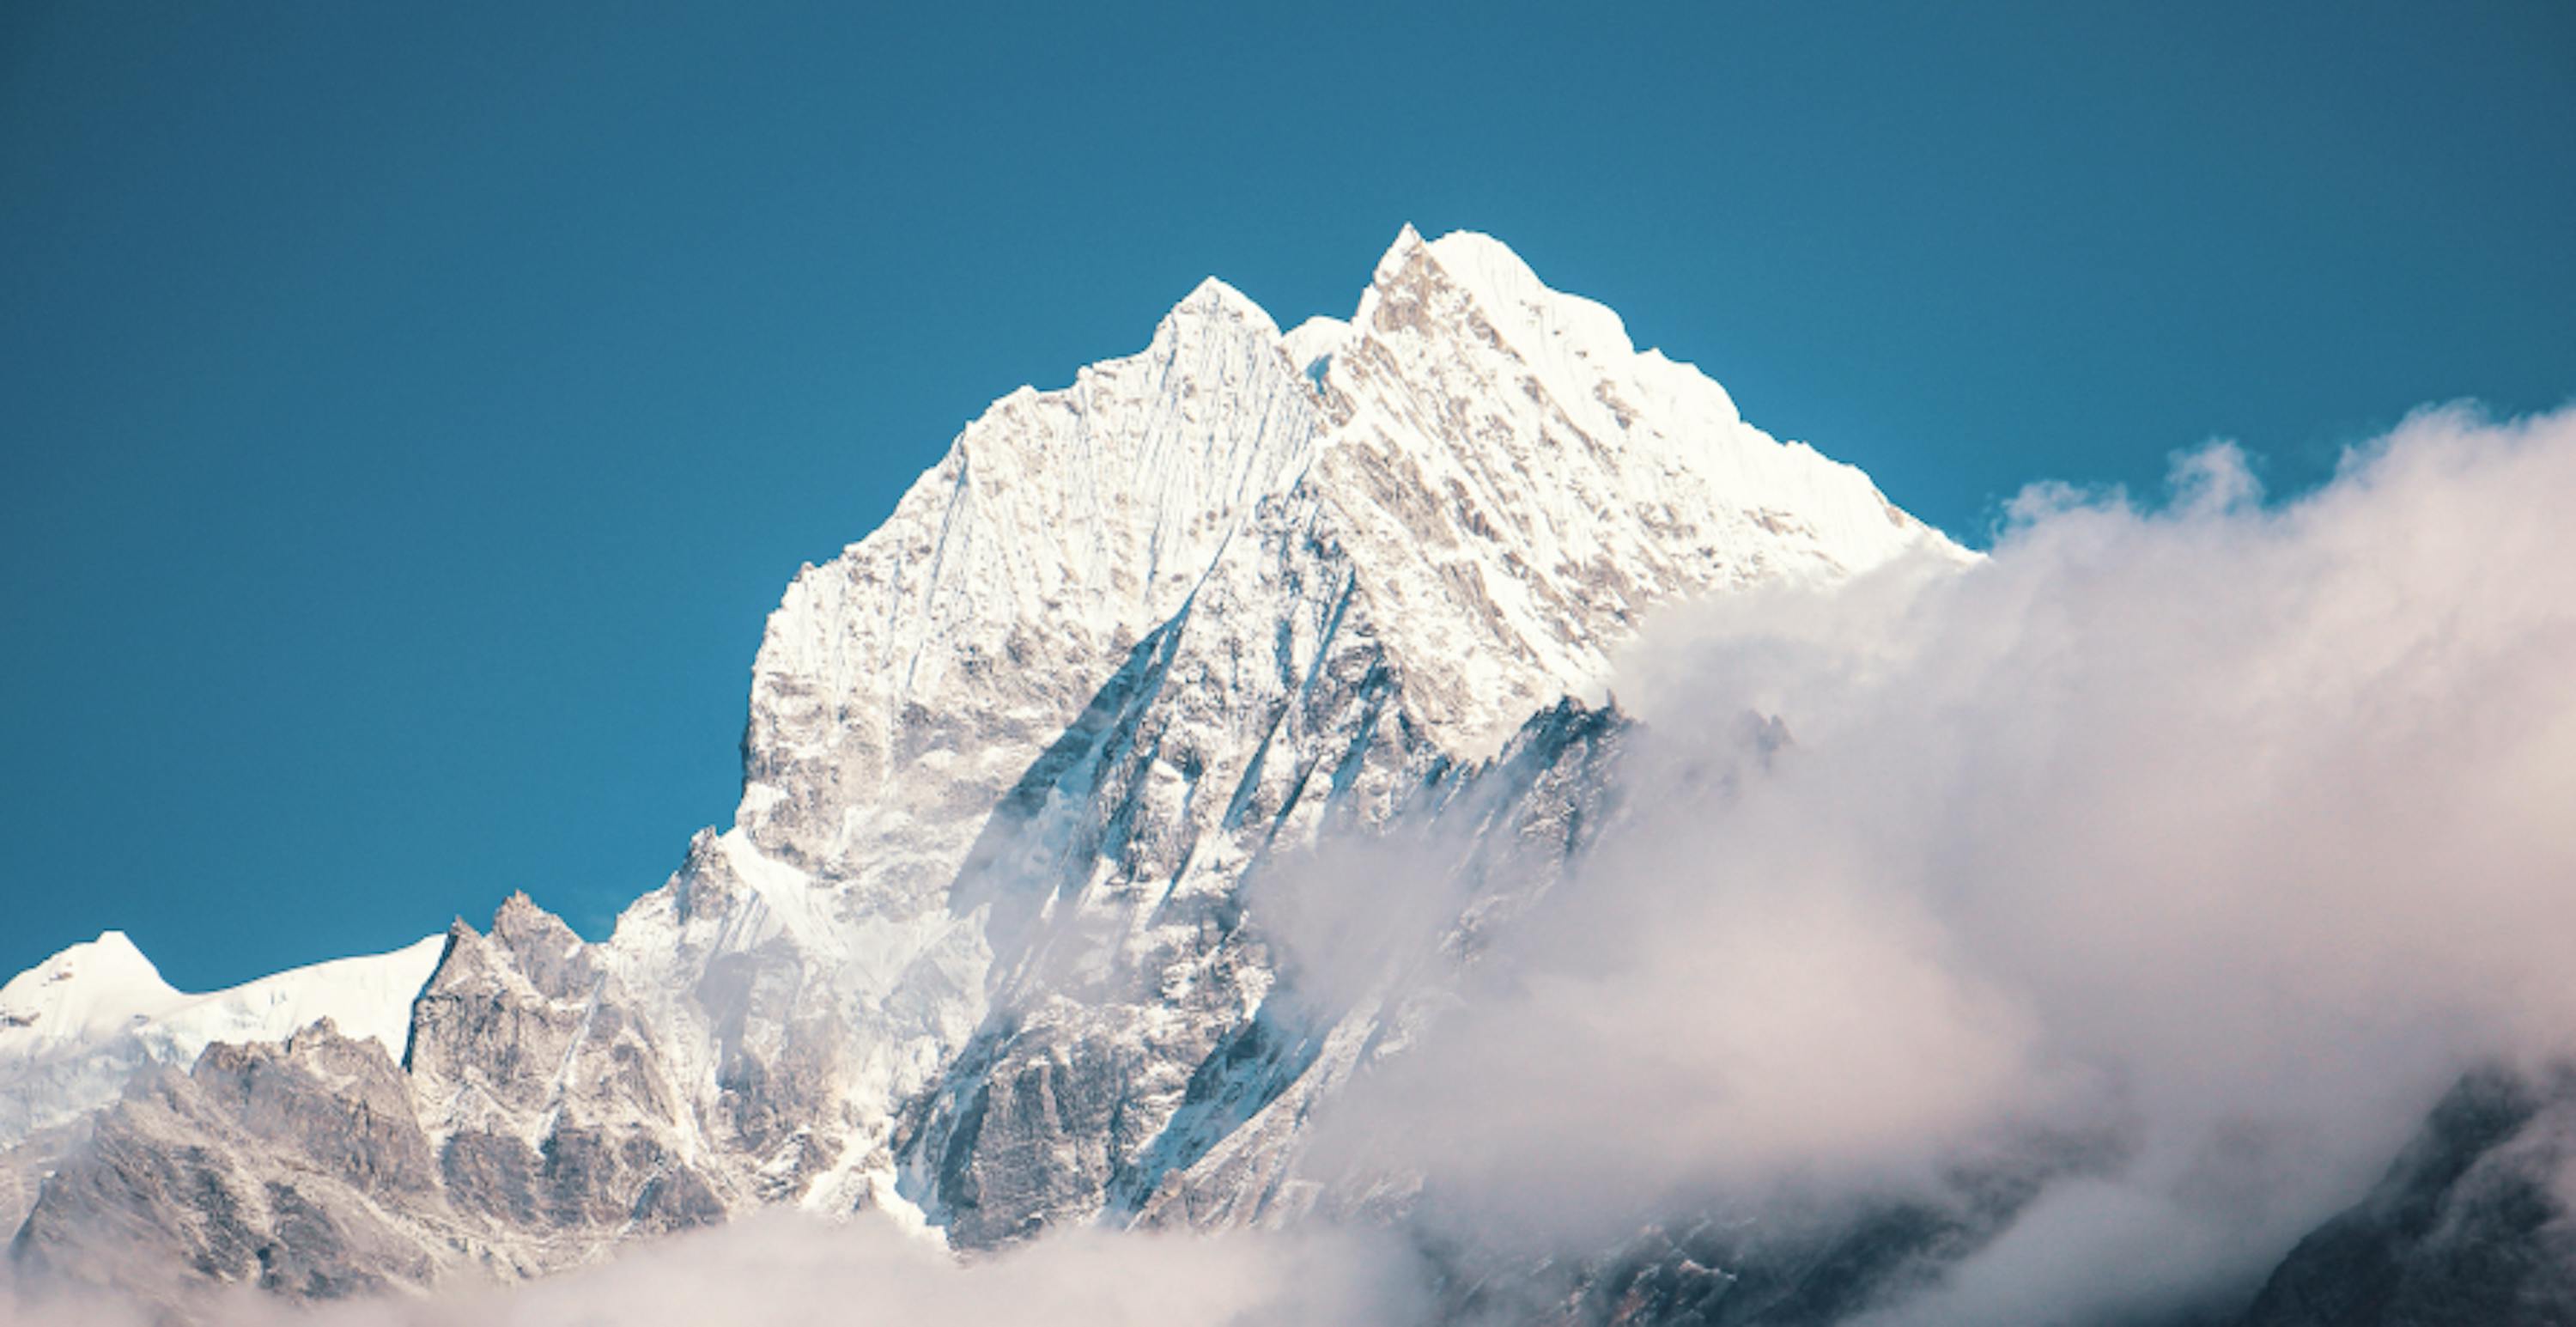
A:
<point x="74" y="1027"/>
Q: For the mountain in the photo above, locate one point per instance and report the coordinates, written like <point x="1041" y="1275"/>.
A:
<point x="1036" y="778"/>
<point x="975" y="948"/>
<point x="1009" y="756"/>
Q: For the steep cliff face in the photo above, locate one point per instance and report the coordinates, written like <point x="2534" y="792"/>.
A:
<point x="547" y="1097"/>
<point x="297" y="1167"/>
<point x="1037" y="778"/>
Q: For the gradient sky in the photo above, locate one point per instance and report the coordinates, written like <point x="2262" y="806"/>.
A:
<point x="410" y="420"/>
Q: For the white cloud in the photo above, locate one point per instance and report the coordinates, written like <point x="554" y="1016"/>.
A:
<point x="781" y="1270"/>
<point x="2223" y="831"/>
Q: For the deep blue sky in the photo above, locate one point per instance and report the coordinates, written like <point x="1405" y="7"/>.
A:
<point x="410" y="420"/>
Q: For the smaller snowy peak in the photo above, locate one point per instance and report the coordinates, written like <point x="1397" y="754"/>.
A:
<point x="90" y="989"/>
<point x="367" y="997"/>
<point x="75" y="1026"/>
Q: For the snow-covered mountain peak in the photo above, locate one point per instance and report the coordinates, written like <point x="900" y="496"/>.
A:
<point x="1502" y="286"/>
<point x="91" y="988"/>
<point x="1408" y="242"/>
<point x="1524" y="311"/>
<point x="1376" y="542"/>
<point x="1507" y="472"/>
<point x="1469" y="288"/>
<point x="1060" y="528"/>
<point x="1516" y="482"/>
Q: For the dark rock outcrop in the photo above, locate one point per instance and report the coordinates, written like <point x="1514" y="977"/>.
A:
<point x="2470" y="1227"/>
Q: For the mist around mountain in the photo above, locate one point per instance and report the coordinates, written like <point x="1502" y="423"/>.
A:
<point x="1434" y="819"/>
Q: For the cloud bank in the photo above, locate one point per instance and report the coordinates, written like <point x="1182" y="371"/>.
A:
<point x="785" y="1270"/>
<point x="2220" y="834"/>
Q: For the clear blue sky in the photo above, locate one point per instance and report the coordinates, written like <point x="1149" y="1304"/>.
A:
<point x="411" y="412"/>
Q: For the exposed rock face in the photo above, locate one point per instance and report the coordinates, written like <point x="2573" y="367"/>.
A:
<point x="298" y="1168"/>
<point x="1066" y="1109"/>
<point x="546" y="1095"/>
<point x="2471" y="1225"/>
<point x="1500" y="836"/>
